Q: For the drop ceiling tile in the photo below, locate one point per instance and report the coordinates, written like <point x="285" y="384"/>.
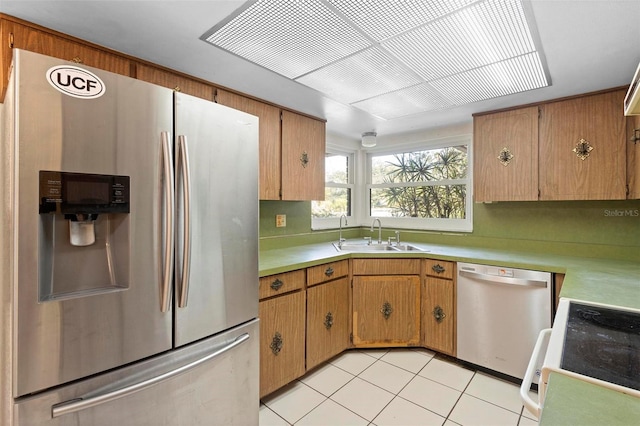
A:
<point x="361" y="76"/>
<point x="476" y="36"/>
<point x="382" y="20"/>
<point x="404" y="102"/>
<point x="288" y="37"/>
<point x="504" y="78"/>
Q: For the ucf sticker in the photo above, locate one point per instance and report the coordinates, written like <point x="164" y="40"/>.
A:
<point x="76" y="82"/>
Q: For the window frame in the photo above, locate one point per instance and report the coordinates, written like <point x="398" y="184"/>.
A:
<point x="334" y="222"/>
<point x="426" y="224"/>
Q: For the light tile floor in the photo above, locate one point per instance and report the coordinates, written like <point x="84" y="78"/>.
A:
<point x="395" y="387"/>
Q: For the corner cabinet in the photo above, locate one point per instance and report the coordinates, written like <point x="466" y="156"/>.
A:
<point x="386" y="305"/>
<point x="633" y="157"/>
<point x="506" y="156"/>
<point x="328" y="311"/>
<point x="282" y="330"/>
<point x="583" y="148"/>
<point x="439" y="307"/>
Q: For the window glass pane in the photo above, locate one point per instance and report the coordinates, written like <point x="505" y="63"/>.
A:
<point x="337" y="202"/>
<point x="336" y="168"/>
<point x="445" y="202"/>
<point x="420" y="166"/>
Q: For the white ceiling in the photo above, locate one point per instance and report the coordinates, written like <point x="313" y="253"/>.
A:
<point x="588" y="45"/>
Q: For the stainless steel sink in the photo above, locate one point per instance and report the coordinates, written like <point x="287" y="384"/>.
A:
<point x="374" y="248"/>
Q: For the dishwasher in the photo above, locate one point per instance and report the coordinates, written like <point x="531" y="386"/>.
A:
<point x="500" y="313"/>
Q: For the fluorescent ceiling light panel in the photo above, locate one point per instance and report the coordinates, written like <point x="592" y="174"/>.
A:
<point x="390" y="58"/>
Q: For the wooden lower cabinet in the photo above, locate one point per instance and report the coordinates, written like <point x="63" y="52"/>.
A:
<point x="438" y="315"/>
<point x="386" y="310"/>
<point x="327" y="321"/>
<point x="282" y="340"/>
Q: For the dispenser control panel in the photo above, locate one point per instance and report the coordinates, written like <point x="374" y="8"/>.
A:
<point x="83" y="193"/>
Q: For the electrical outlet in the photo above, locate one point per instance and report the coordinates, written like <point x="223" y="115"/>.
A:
<point x="281" y="220"/>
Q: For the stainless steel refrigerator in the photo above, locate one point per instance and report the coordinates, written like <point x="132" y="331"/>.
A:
<point x="130" y="256"/>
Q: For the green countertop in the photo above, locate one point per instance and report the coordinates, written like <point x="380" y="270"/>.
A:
<point x="568" y="401"/>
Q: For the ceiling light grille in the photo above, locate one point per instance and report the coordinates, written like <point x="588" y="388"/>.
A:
<point x="381" y="20"/>
<point x="390" y="58"/>
<point x="290" y="37"/>
<point x="361" y="76"/>
<point x="412" y="100"/>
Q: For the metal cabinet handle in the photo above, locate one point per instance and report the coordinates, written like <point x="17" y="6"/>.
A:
<point x="183" y="163"/>
<point x="583" y="149"/>
<point x="82" y="403"/>
<point x="276" y="343"/>
<point x="437" y="268"/>
<point x="169" y="194"/>
<point x="438" y="314"/>
<point x="276" y="284"/>
<point x="304" y="159"/>
<point x="329" y="271"/>
<point x="328" y="320"/>
<point x="386" y="310"/>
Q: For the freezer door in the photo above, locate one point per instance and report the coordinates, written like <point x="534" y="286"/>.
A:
<point x="83" y="310"/>
<point x="212" y="382"/>
<point x="217" y="218"/>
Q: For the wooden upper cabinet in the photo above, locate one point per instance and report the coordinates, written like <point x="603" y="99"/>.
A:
<point x="269" y="125"/>
<point x="174" y="81"/>
<point x="17" y="35"/>
<point x="506" y="156"/>
<point x="582" y="148"/>
<point x="633" y="157"/>
<point x="303" y="153"/>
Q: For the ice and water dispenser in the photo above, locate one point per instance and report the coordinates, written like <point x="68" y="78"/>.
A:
<point x="84" y="234"/>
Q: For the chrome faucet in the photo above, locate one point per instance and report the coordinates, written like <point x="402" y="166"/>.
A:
<point x="397" y="238"/>
<point x="340" y="239"/>
<point x="379" y="229"/>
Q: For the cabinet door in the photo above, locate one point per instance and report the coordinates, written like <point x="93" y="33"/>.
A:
<point x="303" y="152"/>
<point x="327" y="321"/>
<point x="633" y="157"/>
<point x="174" y="81"/>
<point x="270" y="151"/>
<point x="583" y="148"/>
<point x="282" y="321"/>
<point x="53" y="44"/>
<point x="386" y="310"/>
<point x="439" y="316"/>
<point x="505" y="148"/>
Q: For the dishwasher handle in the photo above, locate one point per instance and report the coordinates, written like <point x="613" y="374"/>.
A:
<point x="541" y="345"/>
<point x="503" y="280"/>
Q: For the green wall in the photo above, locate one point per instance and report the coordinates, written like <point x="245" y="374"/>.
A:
<point x="609" y="229"/>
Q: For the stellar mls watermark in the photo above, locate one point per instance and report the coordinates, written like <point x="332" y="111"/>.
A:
<point x="622" y="213"/>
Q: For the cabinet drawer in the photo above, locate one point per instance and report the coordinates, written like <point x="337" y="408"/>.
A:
<point x="281" y="283"/>
<point x="327" y="272"/>
<point x="386" y="266"/>
<point x="440" y="268"/>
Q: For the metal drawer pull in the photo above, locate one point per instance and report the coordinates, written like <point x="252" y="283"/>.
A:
<point x="437" y="268"/>
<point x="438" y="314"/>
<point x="329" y="271"/>
<point x="276" y="343"/>
<point x="386" y="310"/>
<point x="328" y="320"/>
<point x="276" y="284"/>
<point x="82" y="403"/>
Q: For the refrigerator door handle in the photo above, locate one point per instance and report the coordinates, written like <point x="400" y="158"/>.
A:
<point x="183" y="163"/>
<point x="80" y="404"/>
<point x="169" y="194"/>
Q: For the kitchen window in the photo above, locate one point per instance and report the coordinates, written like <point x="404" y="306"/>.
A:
<point x="339" y="190"/>
<point x="421" y="189"/>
